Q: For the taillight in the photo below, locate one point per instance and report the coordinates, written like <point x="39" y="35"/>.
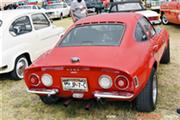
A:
<point x="34" y="79"/>
<point x="153" y="18"/>
<point x="121" y="82"/>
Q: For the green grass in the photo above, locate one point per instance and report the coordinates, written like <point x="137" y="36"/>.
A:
<point x="66" y="22"/>
<point x="16" y="104"/>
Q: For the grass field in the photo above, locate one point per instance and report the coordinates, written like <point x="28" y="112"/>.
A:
<point x="16" y="104"/>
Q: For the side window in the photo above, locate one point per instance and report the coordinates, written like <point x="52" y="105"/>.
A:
<point x="114" y="9"/>
<point x="34" y="7"/>
<point x="40" y="21"/>
<point x="147" y="27"/>
<point x="64" y="5"/>
<point x="20" y="26"/>
<point x="140" y="34"/>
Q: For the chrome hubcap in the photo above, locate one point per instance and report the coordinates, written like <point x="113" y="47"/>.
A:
<point x="21" y="65"/>
<point x="154" y="91"/>
<point x="164" y="19"/>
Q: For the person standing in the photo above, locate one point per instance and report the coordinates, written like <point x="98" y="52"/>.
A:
<point x="78" y="10"/>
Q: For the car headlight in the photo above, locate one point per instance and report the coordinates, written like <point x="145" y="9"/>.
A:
<point x="47" y="80"/>
<point x="105" y="81"/>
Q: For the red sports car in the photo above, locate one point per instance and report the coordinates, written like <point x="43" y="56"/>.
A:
<point x="109" y="56"/>
<point x="170" y="12"/>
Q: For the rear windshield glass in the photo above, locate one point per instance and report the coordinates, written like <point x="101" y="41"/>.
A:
<point x="24" y="7"/>
<point x="94" y="35"/>
<point x="54" y="6"/>
<point x="129" y="6"/>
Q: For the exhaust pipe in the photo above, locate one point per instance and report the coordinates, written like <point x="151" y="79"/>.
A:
<point x="67" y="102"/>
<point x="89" y="105"/>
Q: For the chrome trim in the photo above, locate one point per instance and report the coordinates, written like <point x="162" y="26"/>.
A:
<point x="43" y="91"/>
<point x="75" y="59"/>
<point x="99" y="95"/>
<point x="136" y="81"/>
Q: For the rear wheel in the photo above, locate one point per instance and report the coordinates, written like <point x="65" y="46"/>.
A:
<point x="20" y="64"/>
<point x="166" y="55"/>
<point x="61" y="16"/>
<point x="49" y="99"/>
<point x="164" y="19"/>
<point x="147" y="99"/>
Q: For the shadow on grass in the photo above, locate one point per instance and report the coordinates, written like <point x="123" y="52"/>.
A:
<point x="77" y="107"/>
<point x="5" y="76"/>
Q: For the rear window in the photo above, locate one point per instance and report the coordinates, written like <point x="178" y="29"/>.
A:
<point x="54" y="6"/>
<point x="128" y="7"/>
<point x="24" y="7"/>
<point x="94" y="35"/>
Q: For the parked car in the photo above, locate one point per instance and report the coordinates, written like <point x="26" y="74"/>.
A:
<point x="170" y="12"/>
<point x="30" y="7"/>
<point x="10" y="6"/>
<point x="25" y="36"/>
<point x="135" y="6"/>
<point x="94" y="6"/>
<point x="154" y="4"/>
<point x="58" y="10"/>
<point x="108" y="56"/>
<point x="68" y="2"/>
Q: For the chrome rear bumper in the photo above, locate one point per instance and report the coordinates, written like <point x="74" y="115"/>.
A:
<point x="97" y="94"/>
<point x="113" y="95"/>
<point x="44" y="91"/>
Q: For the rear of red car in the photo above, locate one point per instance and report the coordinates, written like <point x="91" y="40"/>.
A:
<point x="80" y="82"/>
<point x="84" y="65"/>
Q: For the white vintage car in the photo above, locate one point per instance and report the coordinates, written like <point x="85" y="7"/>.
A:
<point x="30" y="7"/>
<point x="137" y="7"/>
<point x="24" y="36"/>
<point x="57" y="10"/>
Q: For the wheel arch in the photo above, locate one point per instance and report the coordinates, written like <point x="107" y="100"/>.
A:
<point x="153" y="64"/>
<point x="26" y="54"/>
<point x="161" y="14"/>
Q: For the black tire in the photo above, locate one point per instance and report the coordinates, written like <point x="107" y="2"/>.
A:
<point x="17" y="73"/>
<point x="166" y="55"/>
<point x="61" y="16"/>
<point x="49" y="99"/>
<point x="164" y="19"/>
<point x="145" y="101"/>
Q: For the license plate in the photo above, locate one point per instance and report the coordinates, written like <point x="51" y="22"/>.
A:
<point x="75" y="84"/>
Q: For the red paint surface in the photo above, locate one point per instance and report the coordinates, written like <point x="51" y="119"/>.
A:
<point x="131" y="58"/>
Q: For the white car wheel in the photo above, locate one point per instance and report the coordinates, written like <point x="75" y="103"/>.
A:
<point x="164" y="20"/>
<point x="20" y="65"/>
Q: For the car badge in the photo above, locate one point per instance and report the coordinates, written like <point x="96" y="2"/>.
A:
<point x="75" y="59"/>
